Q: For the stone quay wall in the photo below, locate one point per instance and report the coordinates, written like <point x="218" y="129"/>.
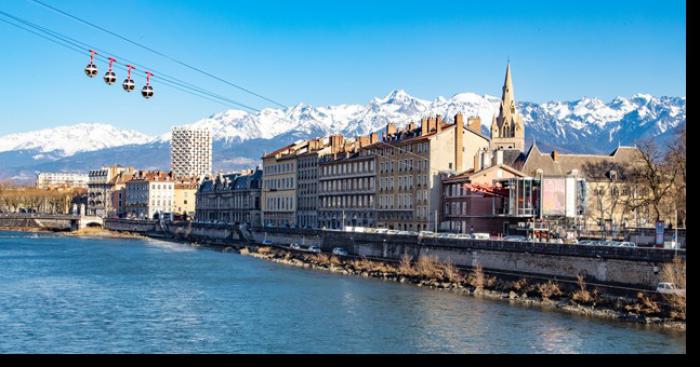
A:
<point x="638" y="267"/>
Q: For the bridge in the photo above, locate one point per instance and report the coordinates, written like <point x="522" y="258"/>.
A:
<point x="53" y="222"/>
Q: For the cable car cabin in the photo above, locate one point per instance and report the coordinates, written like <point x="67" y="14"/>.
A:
<point x="128" y="85"/>
<point x="110" y="77"/>
<point x="147" y="91"/>
<point x="91" y="70"/>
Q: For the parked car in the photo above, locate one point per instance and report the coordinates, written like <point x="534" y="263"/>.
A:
<point x="340" y="251"/>
<point x="294" y="246"/>
<point x="515" y="238"/>
<point x="315" y="249"/>
<point x="628" y="244"/>
<point x="669" y="288"/>
<point x="481" y="236"/>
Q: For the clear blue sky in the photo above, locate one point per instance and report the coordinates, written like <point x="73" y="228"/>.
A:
<point x="331" y="52"/>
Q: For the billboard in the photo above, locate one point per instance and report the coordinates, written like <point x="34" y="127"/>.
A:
<point x="554" y="196"/>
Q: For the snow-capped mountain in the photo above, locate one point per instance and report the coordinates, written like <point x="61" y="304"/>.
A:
<point x="584" y="125"/>
<point x="66" y="141"/>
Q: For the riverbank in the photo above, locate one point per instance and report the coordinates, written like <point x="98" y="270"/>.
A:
<point x="428" y="272"/>
<point x="96" y="232"/>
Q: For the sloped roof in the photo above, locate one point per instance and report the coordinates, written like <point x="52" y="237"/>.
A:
<point x="565" y="163"/>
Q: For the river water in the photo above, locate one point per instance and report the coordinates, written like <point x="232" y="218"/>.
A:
<point x="62" y="294"/>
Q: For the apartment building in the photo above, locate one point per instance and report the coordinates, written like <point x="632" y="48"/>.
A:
<point x="347" y="185"/>
<point x="279" y="196"/>
<point x="307" y="181"/>
<point x="409" y="162"/>
<point x="53" y="180"/>
<point x="150" y="193"/>
<point x="102" y="184"/>
<point x="185" y="195"/>
<point x="232" y="198"/>
<point x="190" y="152"/>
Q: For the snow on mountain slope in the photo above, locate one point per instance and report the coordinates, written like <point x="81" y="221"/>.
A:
<point x="68" y="140"/>
<point x="584" y="125"/>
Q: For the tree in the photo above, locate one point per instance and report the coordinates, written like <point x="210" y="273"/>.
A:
<point x="654" y="177"/>
<point x="676" y="156"/>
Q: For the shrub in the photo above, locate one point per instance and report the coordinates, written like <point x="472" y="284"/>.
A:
<point x="549" y="289"/>
<point x="428" y="267"/>
<point x="674" y="273"/>
<point x="644" y="305"/>
<point x="264" y="250"/>
<point x="477" y="279"/>
<point x="582" y="295"/>
<point x="405" y="266"/>
<point x="519" y="284"/>
<point x="451" y="272"/>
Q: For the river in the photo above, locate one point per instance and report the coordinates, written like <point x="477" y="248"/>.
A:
<point x="60" y="294"/>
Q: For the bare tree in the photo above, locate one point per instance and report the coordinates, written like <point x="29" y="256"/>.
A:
<point x="654" y="177"/>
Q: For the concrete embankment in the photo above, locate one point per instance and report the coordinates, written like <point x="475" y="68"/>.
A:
<point x="514" y="271"/>
<point x="427" y="272"/>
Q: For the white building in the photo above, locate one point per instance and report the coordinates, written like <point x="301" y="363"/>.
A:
<point x="50" y="180"/>
<point x="190" y="152"/>
<point x="149" y="193"/>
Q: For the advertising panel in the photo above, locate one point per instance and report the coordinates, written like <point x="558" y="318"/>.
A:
<point x="554" y="196"/>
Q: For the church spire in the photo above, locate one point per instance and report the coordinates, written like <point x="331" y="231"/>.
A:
<point x="507" y="129"/>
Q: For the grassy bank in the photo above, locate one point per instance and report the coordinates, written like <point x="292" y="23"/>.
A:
<point x="427" y="271"/>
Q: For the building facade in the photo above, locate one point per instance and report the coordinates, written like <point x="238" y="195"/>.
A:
<point x="53" y="180"/>
<point x="347" y="186"/>
<point x="101" y="189"/>
<point x="466" y="209"/>
<point x="408" y="166"/>
<point x="190" y="152"/>
<point x="150" y="193"/>
<point x="232" y="198"/>
<point x="307" y="182"/>
<point x="185" y="196"/>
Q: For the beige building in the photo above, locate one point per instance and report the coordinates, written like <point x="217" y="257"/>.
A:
<point x="409" y="161"/>
<point x="101" y="188"/>
<point x="279" y="190"/>
<point x="150" y="193"/>
<point x="347" y="185"/>
<point x="185" y="195"/>
<point x="308" y="180"/>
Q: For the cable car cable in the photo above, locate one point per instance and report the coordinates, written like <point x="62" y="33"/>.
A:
<point x="157" y="52"/>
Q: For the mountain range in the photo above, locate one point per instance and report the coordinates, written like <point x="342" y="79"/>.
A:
<point x="240" y="137"/>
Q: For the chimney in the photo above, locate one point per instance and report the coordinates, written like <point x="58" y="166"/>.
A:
<point x="410" y="127"/>
<point x="431" y="124"/>
<point x="390" y="129"/>
<point x="424" y="126"/>
<point x="364" y="141"/>
<point x="336" y="143"/>
<point x="474" y="123"/>
<point x="459" y="127"/>
<point x="555" y="155"/>
<point x="438" y="123"/>
<point x="373" y="138"/>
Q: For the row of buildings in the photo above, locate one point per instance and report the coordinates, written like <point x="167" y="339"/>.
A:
<point x="129" y="193"/>
<point x="436" y="174"/>
<point x="116" y="191"/>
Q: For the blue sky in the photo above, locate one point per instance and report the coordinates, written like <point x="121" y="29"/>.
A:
<point x="332" y="52"/>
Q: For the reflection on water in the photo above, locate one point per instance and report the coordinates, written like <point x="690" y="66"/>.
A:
<point x="65" y="294"/>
